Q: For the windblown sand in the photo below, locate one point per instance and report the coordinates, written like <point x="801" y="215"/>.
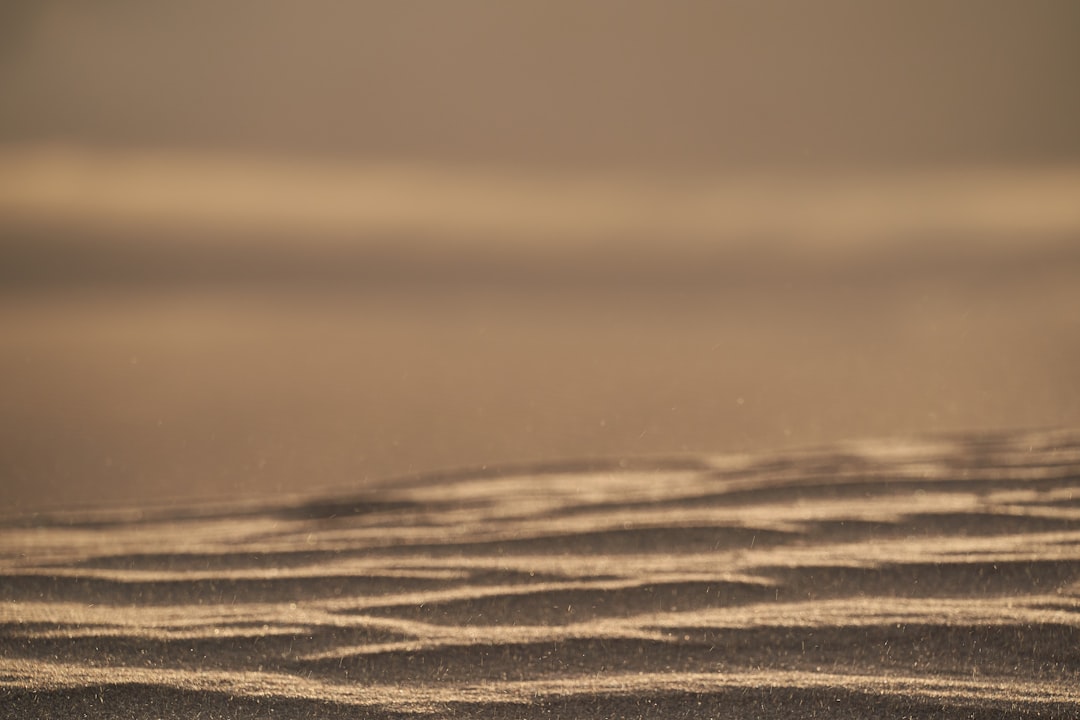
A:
<point x="933" y="578"/>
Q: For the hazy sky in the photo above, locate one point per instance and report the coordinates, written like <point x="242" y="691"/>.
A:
<point x="613" y="83"/>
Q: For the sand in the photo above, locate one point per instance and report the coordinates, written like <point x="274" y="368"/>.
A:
<point x="935" y="577"/>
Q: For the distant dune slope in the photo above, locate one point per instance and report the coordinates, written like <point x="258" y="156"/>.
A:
<point x="931" y="578"/>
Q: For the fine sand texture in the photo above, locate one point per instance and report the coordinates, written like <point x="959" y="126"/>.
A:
<point x="930" y="578"/>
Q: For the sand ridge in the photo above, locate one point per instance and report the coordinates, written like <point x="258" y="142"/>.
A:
<point x="938" y="577"/>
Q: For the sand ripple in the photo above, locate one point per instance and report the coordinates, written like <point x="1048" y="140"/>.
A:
<point x="937" y="578"/>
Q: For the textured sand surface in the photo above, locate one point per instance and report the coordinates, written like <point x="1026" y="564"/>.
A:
<point x="930" y="578"/>
<point x="271" y="274"/>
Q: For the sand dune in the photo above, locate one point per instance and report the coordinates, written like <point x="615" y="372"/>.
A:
<point x="933" y="578"/>
<point x="197" y="200"/>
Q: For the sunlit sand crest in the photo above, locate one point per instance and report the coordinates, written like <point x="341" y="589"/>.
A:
<point x="477" y="207"/>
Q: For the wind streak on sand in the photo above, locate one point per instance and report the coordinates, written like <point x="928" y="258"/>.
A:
<point x="937" y="578"/>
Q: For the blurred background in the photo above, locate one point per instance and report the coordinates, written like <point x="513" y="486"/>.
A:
<point x="252" y="248"/>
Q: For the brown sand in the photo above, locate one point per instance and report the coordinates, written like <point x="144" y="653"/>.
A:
<point x="257" y="264"/>
<point x="934" y="578"/>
